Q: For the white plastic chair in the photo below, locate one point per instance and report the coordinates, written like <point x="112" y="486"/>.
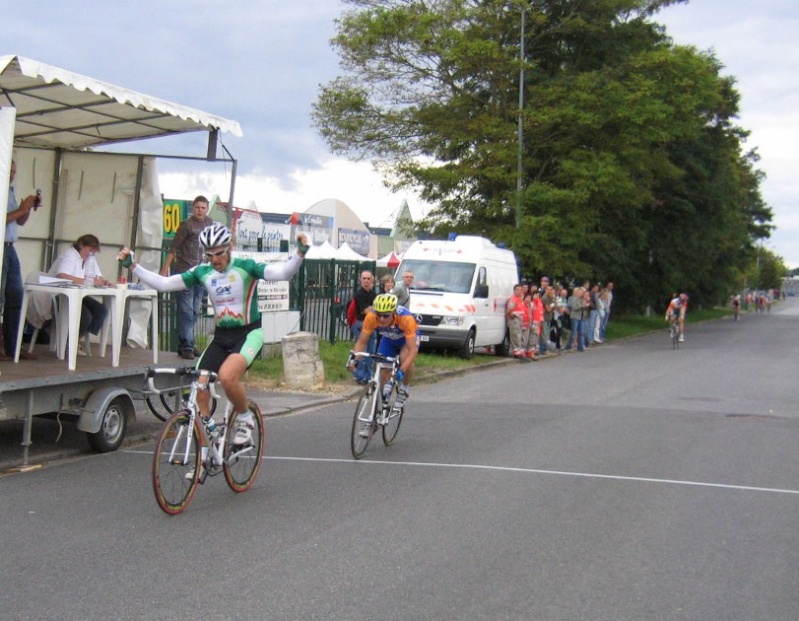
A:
<point x="53" y="329"/>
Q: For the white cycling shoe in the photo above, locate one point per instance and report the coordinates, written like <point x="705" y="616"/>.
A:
<point x="244" y="426"/>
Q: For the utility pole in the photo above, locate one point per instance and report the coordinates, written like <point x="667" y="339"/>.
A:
<point x="520" y="124"/>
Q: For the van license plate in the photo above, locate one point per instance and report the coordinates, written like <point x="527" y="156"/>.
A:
<point x="425" y="338"/>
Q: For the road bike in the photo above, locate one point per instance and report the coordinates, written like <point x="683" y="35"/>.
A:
<point x="190" y="449"/>
<point x="376" y="409"/>
<point x="674" y="332"/>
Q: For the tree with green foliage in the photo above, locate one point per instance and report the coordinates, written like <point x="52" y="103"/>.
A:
<point x="769" y="270"/>
<point x="632" y="167"/>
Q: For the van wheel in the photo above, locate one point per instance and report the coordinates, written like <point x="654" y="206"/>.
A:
<point x="503" y="349"/>
<point x="467" y="349"/>
<point x="112" y="431"/>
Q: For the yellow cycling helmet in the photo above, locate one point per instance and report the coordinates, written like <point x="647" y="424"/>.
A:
<point x="385" y="303"/>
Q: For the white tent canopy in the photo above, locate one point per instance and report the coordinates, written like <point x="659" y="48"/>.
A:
<point x="322" y="251"/>
<point x="345" y="253"/>
<point x="60" y="109"/>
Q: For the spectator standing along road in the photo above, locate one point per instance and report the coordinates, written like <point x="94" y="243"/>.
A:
<point x="561" y="317"/>
<point x="364" y="297"/>
<point x="548" y="302"/>
<point x="515" y="318"/>
<point x="403" y="289"/>
<point x="185" y="253"/>
<point x="576" y="315"/>
<point x="607" y="298"/>
<point x="11" y="284"/>
<point x="599" y="305"/>
<point x="387" y="283"/>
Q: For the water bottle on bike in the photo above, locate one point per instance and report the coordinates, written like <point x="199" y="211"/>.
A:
<point x="387" y="387"/>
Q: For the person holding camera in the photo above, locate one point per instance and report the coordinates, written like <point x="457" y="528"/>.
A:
<point x="11" y="283"/>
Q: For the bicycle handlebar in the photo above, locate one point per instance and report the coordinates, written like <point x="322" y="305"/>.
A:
<point x="191" y="372"/>
<point x="377" y="357"/>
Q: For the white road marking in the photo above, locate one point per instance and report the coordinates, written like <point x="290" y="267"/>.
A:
<point x="564" y="473"/>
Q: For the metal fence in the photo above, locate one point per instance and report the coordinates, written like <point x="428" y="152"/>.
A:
<point x="323" y="289"/>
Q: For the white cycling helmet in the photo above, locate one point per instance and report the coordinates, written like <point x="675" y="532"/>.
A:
<point x="215" y="235"/>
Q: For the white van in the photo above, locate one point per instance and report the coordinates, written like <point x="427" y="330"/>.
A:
<point x="459" y="292"/>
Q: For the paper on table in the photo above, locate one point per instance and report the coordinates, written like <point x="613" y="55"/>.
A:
<point x="50" y="280"/>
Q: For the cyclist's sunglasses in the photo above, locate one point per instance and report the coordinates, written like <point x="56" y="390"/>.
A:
<point x="218" y="253"/>
<point x="384" y="315"/>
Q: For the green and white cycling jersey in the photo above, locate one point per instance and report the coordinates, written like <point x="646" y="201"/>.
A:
<point x="234" y="292"/>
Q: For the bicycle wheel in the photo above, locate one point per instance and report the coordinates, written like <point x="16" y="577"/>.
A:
<point x="242" y="461"/>
<point x="170" y="402"/>
<point x="176" y="463"/>
<point x="392" y="425"/>
<point x="364" y="419"/>
<point x="167" y="404"/>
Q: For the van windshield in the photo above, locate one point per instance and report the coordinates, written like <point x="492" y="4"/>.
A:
<point x="446" y="276"/>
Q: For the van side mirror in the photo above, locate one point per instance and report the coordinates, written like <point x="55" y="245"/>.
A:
<point x="481" y="291"/>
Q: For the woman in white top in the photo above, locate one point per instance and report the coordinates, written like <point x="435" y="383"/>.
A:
<point x="71" y="265"/>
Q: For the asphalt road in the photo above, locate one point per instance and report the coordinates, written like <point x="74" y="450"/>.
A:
<point x="628" y="482"/>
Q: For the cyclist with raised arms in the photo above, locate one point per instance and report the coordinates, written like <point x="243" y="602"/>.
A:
<point x="399" y="336"/>
<point x="676" y="312"/>
<point x="232" y="286"/>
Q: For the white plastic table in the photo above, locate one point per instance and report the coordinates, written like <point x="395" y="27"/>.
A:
<point x="123" y="295"/>
<point x="69" y="324"/>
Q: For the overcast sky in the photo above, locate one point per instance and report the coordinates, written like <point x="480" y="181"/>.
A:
<point x="261" y="64"/>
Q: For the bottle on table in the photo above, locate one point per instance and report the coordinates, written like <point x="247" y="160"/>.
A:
<point x="90" y="271"/>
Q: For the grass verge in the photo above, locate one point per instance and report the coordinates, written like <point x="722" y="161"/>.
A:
<point x="267" y="372"/>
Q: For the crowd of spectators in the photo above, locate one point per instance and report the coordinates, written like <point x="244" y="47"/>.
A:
<point x="544" y="317"/>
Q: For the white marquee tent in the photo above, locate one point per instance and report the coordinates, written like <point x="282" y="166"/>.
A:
<point x="323" y="251"/>
<point x="345" y="253"/>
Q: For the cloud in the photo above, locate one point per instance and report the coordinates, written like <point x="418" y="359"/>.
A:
<point x="760" y="49"/>
<point x="352" y="183"/>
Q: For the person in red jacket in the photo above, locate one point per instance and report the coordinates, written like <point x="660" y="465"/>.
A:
<point x="515" y="313"/>
<point x="528" y="337"/>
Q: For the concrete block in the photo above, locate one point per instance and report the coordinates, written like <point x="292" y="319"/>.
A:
<point x="302" y="364"/>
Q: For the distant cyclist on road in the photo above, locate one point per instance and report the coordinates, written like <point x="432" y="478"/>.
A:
<point x="232" y="286"/>
<point x="399" y="336"/>
<point x="676" y="312"/>
<point x="736" y="306"/>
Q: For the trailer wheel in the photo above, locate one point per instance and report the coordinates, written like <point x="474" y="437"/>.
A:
<point x="467" y="349"/>
<point x="112" y="429"/>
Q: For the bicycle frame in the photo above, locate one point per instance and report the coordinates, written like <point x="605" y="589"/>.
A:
<point x="190" y="404"/>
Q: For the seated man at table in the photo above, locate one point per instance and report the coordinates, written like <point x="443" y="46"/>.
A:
<point x="71" y="265"/>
